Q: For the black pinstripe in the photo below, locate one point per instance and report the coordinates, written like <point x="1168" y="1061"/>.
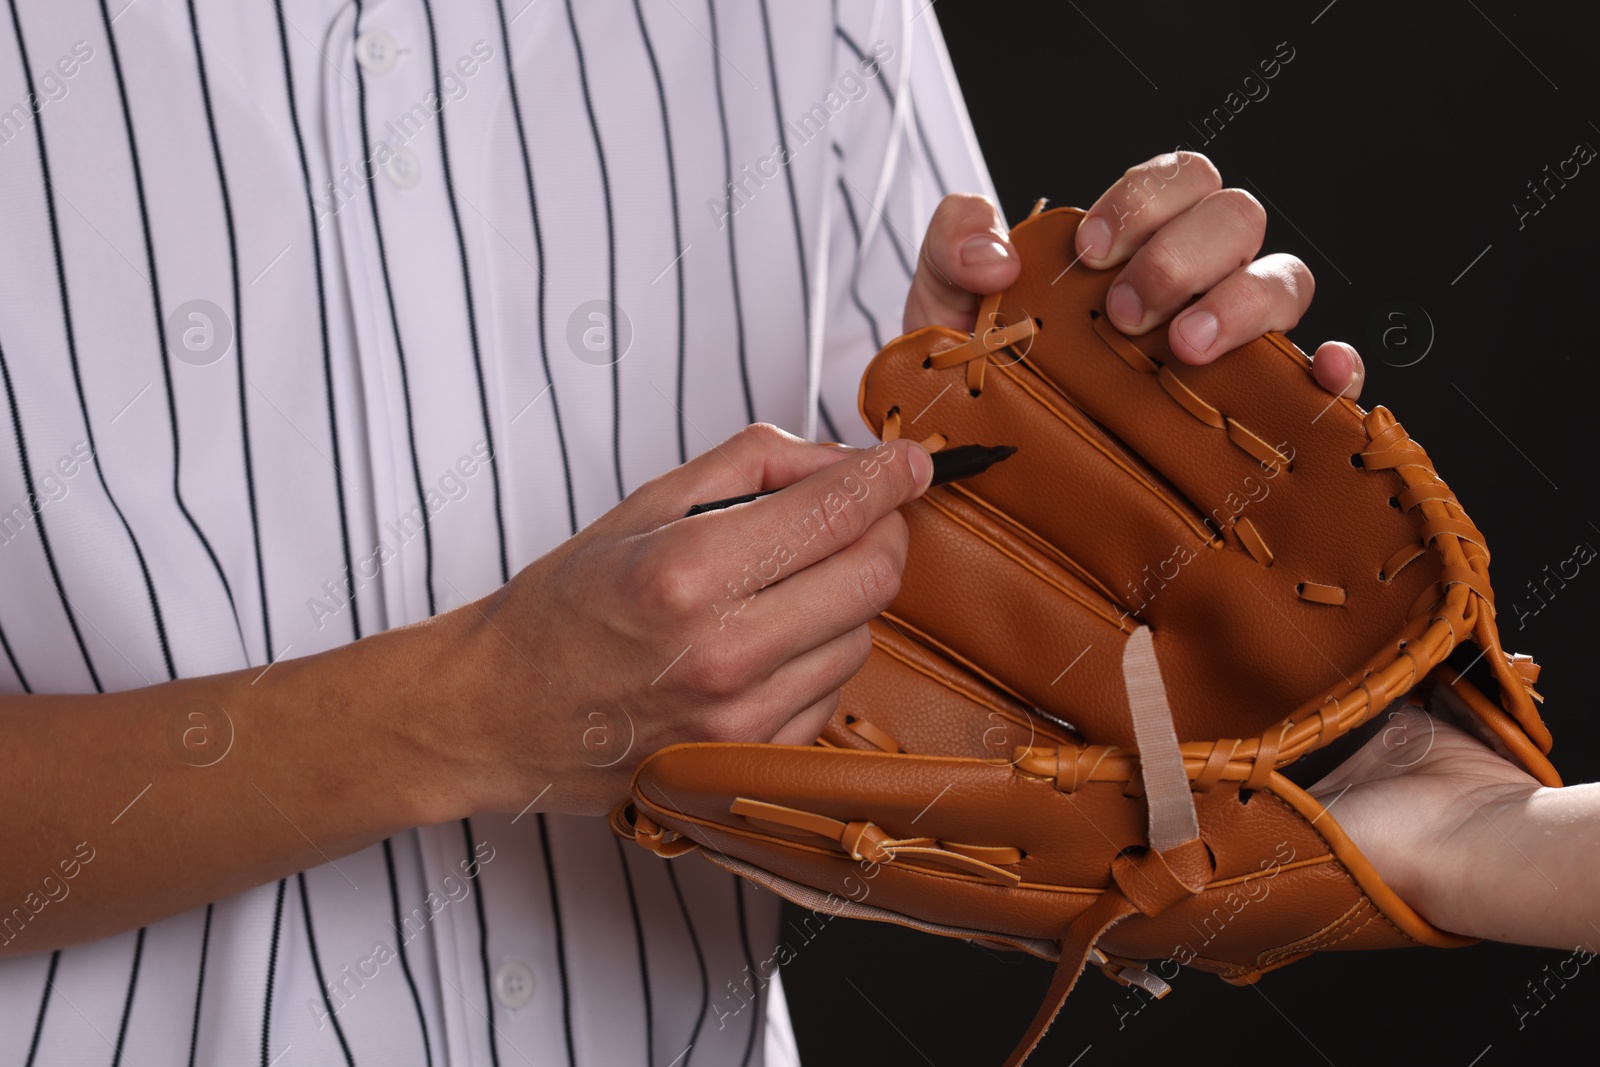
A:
<point x="788" y="176"/>
<point x="400" y="947"/>
<point x="44" y="1006"/>
<point x="860" y="53"/>
<point x="888" y="92"/>
<point x="161" y="357"/>
<point x="483" y="940"/>
<point x="249" y="466"/>
<point x="44" y="536"/>
<point x="44" y="540"/>
<point x="827" y="420"/>
<point x="316" y="967"/>
<point x="644" y="962"/>
<point x="200" y="985"/>
<point x="561" y="940"/>
<point x="822" y="406"/>
<point x="611" y="256"/>
<point x="394" y="323"/>
<point x="699" y="959"/>
<point x="266" y="194"/>
<point x="677" y="227"/>
<point x="127" y="1004"/>
<point x="538" y="247"/>
<point x="916" y="116"/>
<point x="927" y="152"/>
<point x="757" y="1012"/>
<point x="77" y="381"/>
<point x="894" y="236"/>
<point x="338" y="485"/>
<point x="715" y="59"/>
<point x="322" y="319"/>
<point x="900" y="254"/>
<point x="272" y="973"/>
<point x="466" y="286"/>
<point x="16" y="668"/>
<point x="238" y="320"/>
<point x="855" y="269"/>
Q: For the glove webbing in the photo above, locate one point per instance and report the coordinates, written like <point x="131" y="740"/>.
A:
<point x="1177" y="865"/>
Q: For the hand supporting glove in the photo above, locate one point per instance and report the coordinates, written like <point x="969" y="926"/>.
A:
<point x="1072" y="732"/>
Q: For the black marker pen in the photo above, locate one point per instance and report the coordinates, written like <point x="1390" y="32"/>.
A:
<point x="949" y="465"/>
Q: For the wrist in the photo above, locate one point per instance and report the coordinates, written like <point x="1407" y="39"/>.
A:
<point x="393" y="702"/>
<point x="477" y="731"/>
<point x="1463" y="881"/>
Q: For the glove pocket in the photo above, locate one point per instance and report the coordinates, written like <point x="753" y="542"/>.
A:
<point x="910" y="698"/>
<point x="1070" y="482"/>
<point x="1008" y="608"/>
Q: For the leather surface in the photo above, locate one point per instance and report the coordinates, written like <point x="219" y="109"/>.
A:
<point x="926" y="703"/>
<point x="1299" y="564"/>
<point x="1093" y="434"/>
<point x="1287" y="882"/>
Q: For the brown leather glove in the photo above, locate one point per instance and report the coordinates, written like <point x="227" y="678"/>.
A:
<point x="1074" y="732"/>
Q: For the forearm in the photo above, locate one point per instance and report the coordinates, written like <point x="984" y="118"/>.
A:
<point x="1524" y="867"/>
<point x="125" y="808"/>
<point x="548" y="691"/>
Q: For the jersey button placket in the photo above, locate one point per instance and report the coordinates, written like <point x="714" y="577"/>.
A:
<point x="376" y="51"/>
<point x="403" y="167"/>
<point x="513" y="984"/>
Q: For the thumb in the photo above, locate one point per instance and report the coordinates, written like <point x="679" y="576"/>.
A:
<point x="966" y="254"/>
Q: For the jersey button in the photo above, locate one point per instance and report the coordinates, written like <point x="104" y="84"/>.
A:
<point x="376" y="51"/>
<point x="513" y="984"/>
<point x="403" y="167"/>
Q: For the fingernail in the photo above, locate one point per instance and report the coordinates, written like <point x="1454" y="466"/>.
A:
<point x="921" y="465"/>
<point x="1124" y="306"/>
<point x="1200" y="330"/>
<point x="982" y="250"/>
<point x="1358" y="375"/>
<point x="1094" y="238"/>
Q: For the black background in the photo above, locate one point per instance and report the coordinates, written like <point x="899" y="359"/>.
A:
<point x="1389" y="153"/>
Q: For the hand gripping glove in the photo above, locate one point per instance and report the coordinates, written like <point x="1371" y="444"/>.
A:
<point x="1074" y="733"/>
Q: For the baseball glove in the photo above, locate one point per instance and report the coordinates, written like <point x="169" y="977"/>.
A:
<point x="1075" y="732"/>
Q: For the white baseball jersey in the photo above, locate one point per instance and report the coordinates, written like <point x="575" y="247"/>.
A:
<point x="317" y="318"/>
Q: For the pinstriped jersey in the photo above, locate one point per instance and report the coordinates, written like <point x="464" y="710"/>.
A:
<point x="318" y="318"/>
